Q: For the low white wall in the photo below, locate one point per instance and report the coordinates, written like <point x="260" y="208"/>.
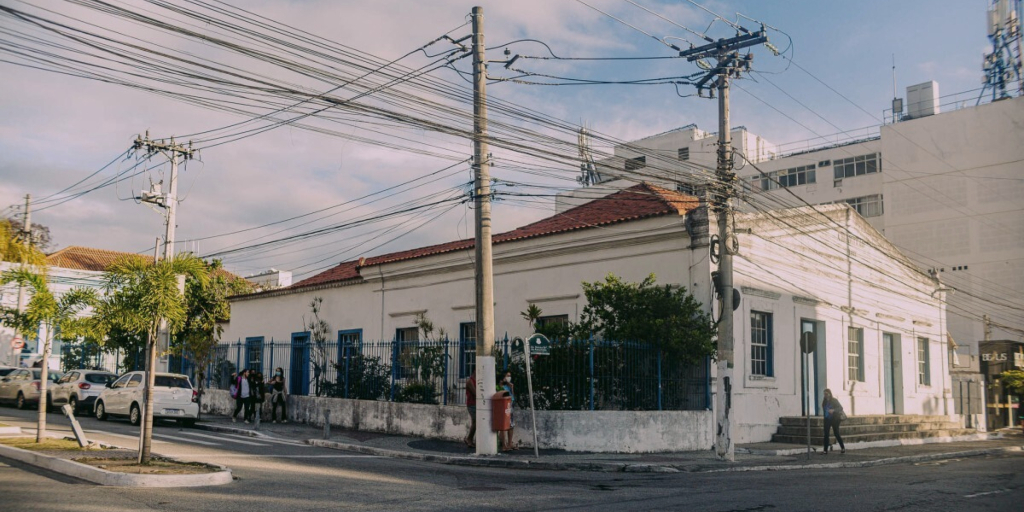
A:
<point x="589" y="431"/>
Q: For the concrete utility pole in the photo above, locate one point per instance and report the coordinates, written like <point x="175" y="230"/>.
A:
<point x="169" y="202"/>
<point x="26" y="239"/>
<point x="729" y="64"/>
<point x="486" y="441"/>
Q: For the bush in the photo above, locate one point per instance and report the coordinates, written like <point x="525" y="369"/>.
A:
<point x="417" y="393"/>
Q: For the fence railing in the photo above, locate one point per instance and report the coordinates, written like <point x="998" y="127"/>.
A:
<point x="574" y="375"/>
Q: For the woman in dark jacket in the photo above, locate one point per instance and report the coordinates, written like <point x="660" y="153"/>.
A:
<point x="833" y="416"/>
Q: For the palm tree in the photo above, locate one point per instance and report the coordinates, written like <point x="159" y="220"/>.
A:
<point x="55" y="315"/>
<point x="140" y="296"/>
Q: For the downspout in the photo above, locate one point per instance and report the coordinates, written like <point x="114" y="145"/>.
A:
<point x="381" y="272"/>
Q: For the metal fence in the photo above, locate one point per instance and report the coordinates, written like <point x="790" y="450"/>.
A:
<point x="575" y="375"/>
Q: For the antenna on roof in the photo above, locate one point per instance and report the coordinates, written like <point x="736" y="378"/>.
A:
<point x="588" y="170"/>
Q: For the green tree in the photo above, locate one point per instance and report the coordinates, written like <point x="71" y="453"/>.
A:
<point x="319" y="334"/>
<point x="1013" y="382"/>
<point x="207" y="310"/>
<point x="56" y="315"/>
<point x="140" y="295"/>
<point x="670" y="319"/>
<point x="14" y="248"/>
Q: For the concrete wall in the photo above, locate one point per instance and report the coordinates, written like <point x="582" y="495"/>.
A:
<point x="598" y="431"/>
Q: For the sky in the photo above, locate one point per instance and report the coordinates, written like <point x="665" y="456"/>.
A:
<point x="56" y="130"/>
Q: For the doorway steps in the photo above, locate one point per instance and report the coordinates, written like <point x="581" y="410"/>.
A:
<point x="867" y="429"/>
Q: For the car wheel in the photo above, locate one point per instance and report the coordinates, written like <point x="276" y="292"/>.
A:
<point x="135" y="416"/>
<point x="101" y="411"/>
<point x="20" y="402"/>
<point x="73" y="402"/>
<point x="49" y="403"/>
<point x="188" y="422"/>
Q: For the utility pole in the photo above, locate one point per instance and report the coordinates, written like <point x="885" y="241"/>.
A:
<point x="26" y="239"/>
<point x="486" y="442"/>
<point x="729" y="64"/>
<point x="169" y="202"/>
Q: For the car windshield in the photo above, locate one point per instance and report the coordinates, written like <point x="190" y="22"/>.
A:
<point x="53" y="376"/>
<point x="100" y="378"/>
<point x="170" y="381"/>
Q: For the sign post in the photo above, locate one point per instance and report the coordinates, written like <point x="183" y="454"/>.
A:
<point x="542" y="345"/>
<point x="808" y="342"/>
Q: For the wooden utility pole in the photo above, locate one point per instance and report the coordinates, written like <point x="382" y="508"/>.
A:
<point x="486" y="442"/>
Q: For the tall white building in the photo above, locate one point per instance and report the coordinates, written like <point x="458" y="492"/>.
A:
<point x="944" y="187"/>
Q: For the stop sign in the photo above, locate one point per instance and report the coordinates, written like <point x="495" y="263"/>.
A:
<point x="17" y="343"/>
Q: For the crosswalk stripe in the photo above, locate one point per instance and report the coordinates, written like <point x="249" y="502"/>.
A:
<point x="250" y="443"/>
<point x="266" y="440"/>
<point x="176" y="438"/>
<point x="102" y="432"/>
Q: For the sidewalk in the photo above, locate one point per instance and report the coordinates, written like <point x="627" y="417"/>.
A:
<point x="755" y="457"/>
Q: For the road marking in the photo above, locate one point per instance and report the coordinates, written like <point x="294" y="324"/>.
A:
<point x="223" y="439"/>
<point x="985" y="493"/>
<point x="185" y="440"/>
<point x="266" y="440"/>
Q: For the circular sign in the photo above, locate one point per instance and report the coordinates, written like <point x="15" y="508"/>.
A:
<point x="17" y="343"/>
<point x="808" y="342"/>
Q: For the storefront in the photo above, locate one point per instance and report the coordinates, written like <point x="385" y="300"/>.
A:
<point x="997" y="357"/>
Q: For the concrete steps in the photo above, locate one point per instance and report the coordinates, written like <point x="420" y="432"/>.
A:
<point x="866" y="429"/>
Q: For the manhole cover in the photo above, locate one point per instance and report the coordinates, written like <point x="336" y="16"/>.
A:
<point x="482" y="489"/>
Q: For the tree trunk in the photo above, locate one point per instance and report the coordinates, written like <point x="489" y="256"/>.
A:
<point x="44" y="378"/>
<point x="147" y="422"/>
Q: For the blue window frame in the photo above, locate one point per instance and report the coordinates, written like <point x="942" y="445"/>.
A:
<point x="254" y="353"/>
<point x="467" y="349"/>
<point x="298" y="375"/>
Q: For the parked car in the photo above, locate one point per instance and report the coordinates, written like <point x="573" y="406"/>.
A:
<point x="22" y="386"/>
<point x="173" y="398"/>
<point x="79" y="388"/>
<point x="4" y="370"/>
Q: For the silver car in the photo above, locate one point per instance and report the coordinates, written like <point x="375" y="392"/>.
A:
<point x="22" y="386"/>
<point x="79" y="388"/>
<point x="173" y="398"/>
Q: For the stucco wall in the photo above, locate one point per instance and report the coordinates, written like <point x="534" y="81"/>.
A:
<point x="598" y="431"/>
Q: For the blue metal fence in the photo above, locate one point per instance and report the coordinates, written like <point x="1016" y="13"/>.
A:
<point x="575" y="375"/>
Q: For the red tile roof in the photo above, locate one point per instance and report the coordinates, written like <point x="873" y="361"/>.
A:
<point x="637" y="202"/>
<point x="87" y="258"/>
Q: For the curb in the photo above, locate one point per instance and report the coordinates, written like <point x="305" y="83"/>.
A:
<point x="877" y="462"/>
<point x="639" y="468"/>
<point x="982" y="436"/>
<point x="232" y="430"/>
<point x="110" y="478"/>
<point x="10" y="430"/>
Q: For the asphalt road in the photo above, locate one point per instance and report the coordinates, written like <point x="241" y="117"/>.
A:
<point x="290" y="477"/>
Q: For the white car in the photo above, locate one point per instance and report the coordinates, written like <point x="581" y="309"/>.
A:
<point x="80" y="388"/>
<point x="173" y="398"/>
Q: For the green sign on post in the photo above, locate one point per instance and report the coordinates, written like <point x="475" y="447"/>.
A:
<point x="540" y="345"/>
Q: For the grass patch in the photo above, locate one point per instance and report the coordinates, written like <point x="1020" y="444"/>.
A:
<point x="29" y="443"/>
<point x="4" y="425"/>
<point x="156" y="466"/>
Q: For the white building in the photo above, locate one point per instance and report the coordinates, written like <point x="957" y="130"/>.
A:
<point x="881" y="348"/>
<point x="68" y="268"/>
<point x="944" y="187"/>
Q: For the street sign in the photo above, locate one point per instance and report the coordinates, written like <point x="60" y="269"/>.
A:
<point x="17" y="343"/>
<point x="540" y="345"/>
<point x="808" y="342"/>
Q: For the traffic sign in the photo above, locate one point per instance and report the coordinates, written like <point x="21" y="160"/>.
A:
<point x="540" y="345"/>
<point x="17" y="343"/>
<point x="808" y="342"/>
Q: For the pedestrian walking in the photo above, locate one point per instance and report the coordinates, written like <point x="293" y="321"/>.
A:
<point x="506" y="437"/>
<point x="471" y="409"/>
<point x="259" y="393"/>
<point x="250" y="403"/>
<point x="277" y="396"/>
<point x="834" y="415"/>
<point x="241" y="396"/>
